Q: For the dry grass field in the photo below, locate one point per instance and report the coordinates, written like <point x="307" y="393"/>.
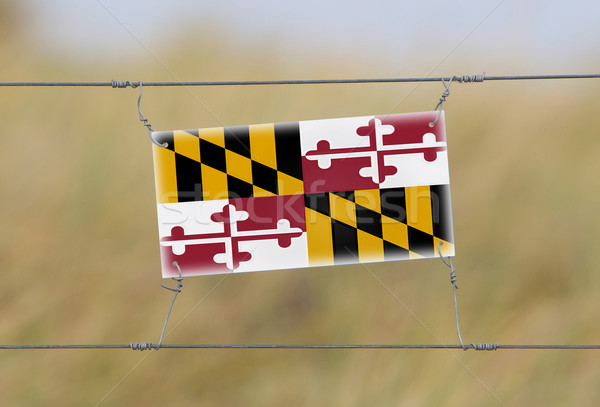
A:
<point x="79" y="251"/>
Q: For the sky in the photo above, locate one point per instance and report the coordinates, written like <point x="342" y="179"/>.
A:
<point x="554" y="36"/>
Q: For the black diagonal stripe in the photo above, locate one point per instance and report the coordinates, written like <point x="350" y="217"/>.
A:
<point x="349" y="195"/>
<point x="164" y="137"/>
<point x="441" y="212"/>
<point x="264" y="177"/>
<point x="287" y="149"/>
<point x="368" y="221"/>
<point x="237" y="139"/>
<point x="318" y="202"/>
<point x="189" y="179"/>
<point x="393" y="252"/>
<point x="212" y="155"/>
<point x="238" y="188"/>
<point x="345" y="243"/>
<point x="393" y="203"/>
<point x="193" y="132"/>
<point x="420" y="242"/>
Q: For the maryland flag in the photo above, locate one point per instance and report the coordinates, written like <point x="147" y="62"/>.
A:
<point x="310" y="193"/>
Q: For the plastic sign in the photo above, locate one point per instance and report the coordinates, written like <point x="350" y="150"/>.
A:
<point x="309" y="193"/>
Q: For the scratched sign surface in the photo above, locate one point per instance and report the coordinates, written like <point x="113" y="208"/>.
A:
<point x="310" y="193"/>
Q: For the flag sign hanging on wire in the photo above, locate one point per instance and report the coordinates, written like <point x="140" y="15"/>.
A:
<point x="309" y="193"/>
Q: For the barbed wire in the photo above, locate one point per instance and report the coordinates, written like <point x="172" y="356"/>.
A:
<point x="459" y="78"/>
<point x="151" y="346"/>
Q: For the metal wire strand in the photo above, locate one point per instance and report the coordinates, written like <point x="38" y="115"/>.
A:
<point x="150" y="346"/>
<point x="465" y="79"/>
<point x="176" y="290"/>
<point x="454" y="288"/>
<point x="143" y="119"/>
<point x="438" y="107"/>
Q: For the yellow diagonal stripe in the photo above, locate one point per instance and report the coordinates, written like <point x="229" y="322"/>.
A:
<point x="370" y="248"/>
<point x="215" y="135"/>
<point x="165" y="178"/>
<point x="369" y="198"/>
<point x="238" y="166"/>
<point x="257" y="192"/>
<point x="446" y="248"/>
<point x="289" y="185"/>
<point x="214" y="183"/>
<point x="415" y="256"/>
<point x="319" y="239"/>
<point x="342" y="210"/>
<point x="187" y="145"/>
<point x="394" y="232"/>
<point x="262" y="144"/>
<point x="418" y="208"/>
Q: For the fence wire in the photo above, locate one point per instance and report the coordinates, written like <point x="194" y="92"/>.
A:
<point x="151" y="346"/>
<point x="456" y="78"/>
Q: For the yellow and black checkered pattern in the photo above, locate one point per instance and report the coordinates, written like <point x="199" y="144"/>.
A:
<point x="228" y="163"/>
<point x="377" y="225"/>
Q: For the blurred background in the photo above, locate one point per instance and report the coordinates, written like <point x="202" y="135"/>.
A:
<point x="79" y="252"/>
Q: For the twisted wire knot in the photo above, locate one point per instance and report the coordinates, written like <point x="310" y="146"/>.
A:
<point x="179" y="284"/>
<point x="141" y="345"/>
<point x="468" y="79"/>
<point x="453" y="275"/>
<point x="124" y="84"/>
<point x="448" y="263"/>
<point x="445" y="94"/>
<point x="484" y="346"/>
<point x="438" y="107"/>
